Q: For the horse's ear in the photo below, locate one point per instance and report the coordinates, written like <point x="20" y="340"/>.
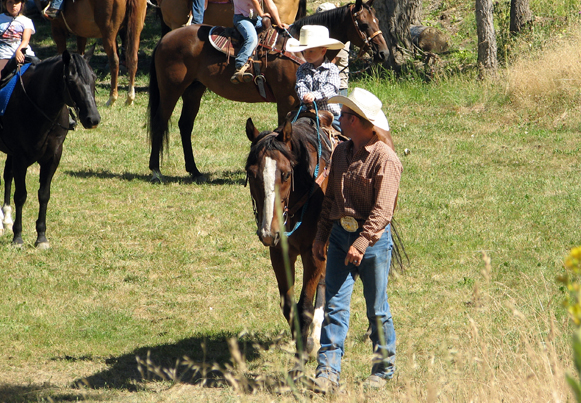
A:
<point x="251" y="131"/>
<point x="358" y="4"/>
<point x="89" y="53"/>
<point x="287" y="132"/>
<point x="369" y="3"/>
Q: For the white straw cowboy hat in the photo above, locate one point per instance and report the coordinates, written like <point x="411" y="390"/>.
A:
<point x="325" y="7"/>
<point x="313" y="36"/>
<point x="365" y="104"/>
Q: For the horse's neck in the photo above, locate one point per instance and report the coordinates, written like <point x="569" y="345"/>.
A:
<point x="46" y="88"/>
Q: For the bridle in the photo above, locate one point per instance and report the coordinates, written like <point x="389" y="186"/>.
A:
<point x="362" y="35"/>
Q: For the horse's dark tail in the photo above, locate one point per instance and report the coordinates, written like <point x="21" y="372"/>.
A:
<point x="399" y="253"/>
<point x="302" y="10"/>
<point x="157" y="132"/>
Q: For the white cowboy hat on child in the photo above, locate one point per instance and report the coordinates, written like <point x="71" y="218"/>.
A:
<point x="365" y="104"/>
<point x="313" y="36"/>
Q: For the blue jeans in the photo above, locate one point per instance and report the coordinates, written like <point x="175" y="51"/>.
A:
<point x="373" y="270"/>
<point x="197" y="11"/>
<point x="57" y="4"/>
<point x="247" y="29"/>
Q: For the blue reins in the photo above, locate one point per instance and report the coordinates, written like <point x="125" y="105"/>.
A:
<point x="315" y="174"/>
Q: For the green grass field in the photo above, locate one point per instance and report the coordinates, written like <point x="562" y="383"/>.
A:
<point x="144" y="280"/>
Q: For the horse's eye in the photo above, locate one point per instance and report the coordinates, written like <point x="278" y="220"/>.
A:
<point x="285" y="176"/>
<point x="363" y="27"/>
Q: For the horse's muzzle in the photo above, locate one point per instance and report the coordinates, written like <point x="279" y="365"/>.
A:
<point x="269" y="239"/>
<point x="91" y="121"/>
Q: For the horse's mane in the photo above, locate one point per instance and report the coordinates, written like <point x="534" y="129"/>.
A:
<point x="328" y="18"/>
<point x="304" y="138"/>
<point x="83" y="69"/>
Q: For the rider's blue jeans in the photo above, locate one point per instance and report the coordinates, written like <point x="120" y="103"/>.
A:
<point x="57" y="4"/>
<point x="373" y="271"/>
<point x="198" y="11"/>
<point x="247" y="29"/>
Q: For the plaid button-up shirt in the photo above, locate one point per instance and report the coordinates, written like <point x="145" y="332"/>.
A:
<point x="363" y="186"/>
<point x="322" y="81"/>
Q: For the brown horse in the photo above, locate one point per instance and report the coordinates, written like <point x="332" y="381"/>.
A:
<point x="287" y="175"/>
<point x="103" y="19"/>
<point x="185" y="64"/>
<point x="177" y="13"/>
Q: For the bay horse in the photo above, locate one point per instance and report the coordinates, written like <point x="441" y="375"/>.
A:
<point x="103" y="19"/>
<point x="177" y="13"/>
<point x="34" y="127"/>
<point x="184" y="64"/>
<point x="286" y="172"/>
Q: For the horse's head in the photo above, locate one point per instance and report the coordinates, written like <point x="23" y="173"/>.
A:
<point x="367" y="27"/>
<point x="80" y="89"/>
<point x="269" y="171"/>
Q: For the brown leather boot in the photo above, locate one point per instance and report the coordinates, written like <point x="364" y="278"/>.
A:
<point x="241" y="75"/>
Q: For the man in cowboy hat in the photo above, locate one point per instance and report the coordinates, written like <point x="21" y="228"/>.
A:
<point x="355" y="219"/>
<point x="318" y="78"/>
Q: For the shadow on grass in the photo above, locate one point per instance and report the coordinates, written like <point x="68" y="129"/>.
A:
<point x="188" y="361"/>
<point x="235" y="177"/>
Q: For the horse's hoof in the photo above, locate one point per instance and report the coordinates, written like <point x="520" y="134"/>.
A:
<point x="8" y="226"/>
<point x="156" y="177"/>
<point x="16" y="245"/>
<point x="199" y="179"/>
<point x="110" y="101"/>
<point x="313" y="347"/>
<point x="1" y="231"/>
<point x="42" y="246"/>
<point x="129" y="101"/>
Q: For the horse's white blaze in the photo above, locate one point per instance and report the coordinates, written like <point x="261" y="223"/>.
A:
<point x="269" y="177"/>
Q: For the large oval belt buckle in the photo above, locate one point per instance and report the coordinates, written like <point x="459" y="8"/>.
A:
<point x="349" y="224"/>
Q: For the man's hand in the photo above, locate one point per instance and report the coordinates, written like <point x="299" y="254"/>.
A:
<point x="353" y="256"/>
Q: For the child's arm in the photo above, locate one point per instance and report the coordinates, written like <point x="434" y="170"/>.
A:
<point x="273" y="10"/>
<point x="303" y="87"/>
<point x="26" y="34"/>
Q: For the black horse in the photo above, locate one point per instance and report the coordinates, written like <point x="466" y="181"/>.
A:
<point x="34" y="128"/>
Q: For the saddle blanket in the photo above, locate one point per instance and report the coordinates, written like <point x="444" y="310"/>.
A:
<point x="6" y="92"/>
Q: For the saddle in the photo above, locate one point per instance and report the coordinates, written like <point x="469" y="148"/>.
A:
<point x="325" y="118"/>
<point x="10" y="69"/>
<point x="228" y="41"/>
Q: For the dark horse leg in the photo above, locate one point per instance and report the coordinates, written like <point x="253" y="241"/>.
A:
<point x="19" y="171"/>
<point x="285" y="279"/>
<point x="191" y="105"/>
<point x="6" y="212"/>
<point x="47" y="170"/>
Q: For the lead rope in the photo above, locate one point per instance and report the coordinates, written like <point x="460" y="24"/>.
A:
<point x="315" y="174"/>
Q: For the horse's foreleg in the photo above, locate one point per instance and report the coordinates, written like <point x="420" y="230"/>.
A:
<point x="20" y="194"/>
<point x="47" y="170"/>
<point x="110" y="46"/>
<point x="313" y="282"/>
<point x="285" y="278"/>
<point x="191" y="105"/>
<point x="133" y="32"/>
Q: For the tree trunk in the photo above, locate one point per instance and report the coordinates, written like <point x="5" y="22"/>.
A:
<point x="394" y="22"/>
<point x="520" y="15"/>
<point x="415" y="12"/>
<point x="487" y="60"/>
